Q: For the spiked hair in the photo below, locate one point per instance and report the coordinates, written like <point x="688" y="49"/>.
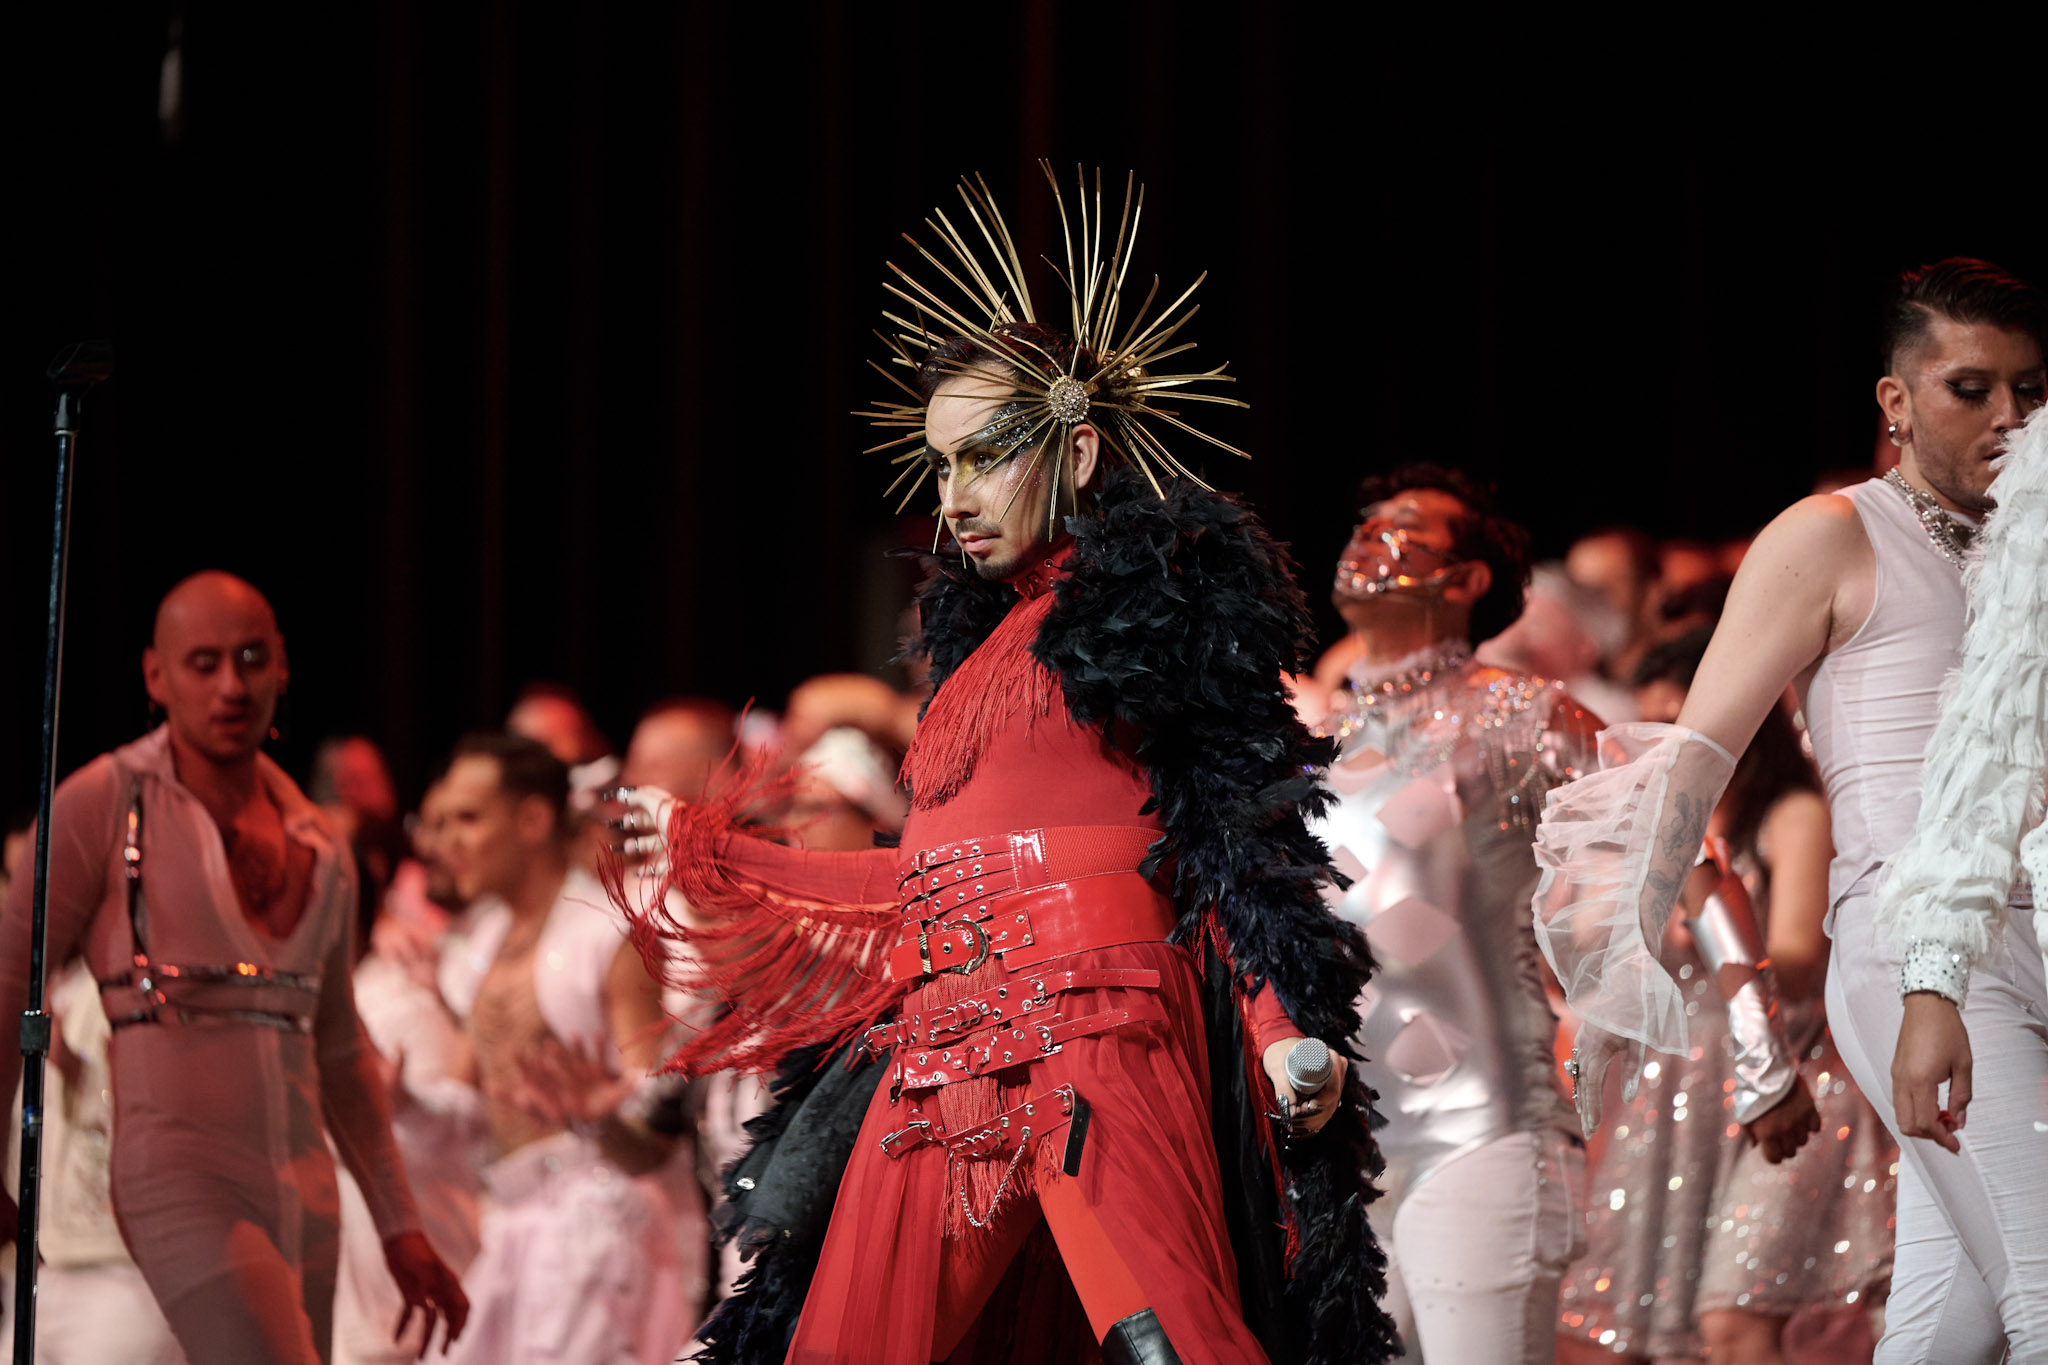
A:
<point x="986" y="326"/>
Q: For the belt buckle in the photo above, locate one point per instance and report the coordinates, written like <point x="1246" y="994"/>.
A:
<point x="986" y="1142"/>
<point x="980" y="950"/>
<point x="873" y="1048"/>
<point x="943" y="1020"/>
<point x="900" y="1141"/>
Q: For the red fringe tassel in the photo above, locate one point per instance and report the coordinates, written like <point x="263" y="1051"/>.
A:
<point x="787" y="972"/>
<point x="997" y="680"/>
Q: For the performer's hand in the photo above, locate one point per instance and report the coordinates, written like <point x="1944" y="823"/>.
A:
<point x="1784" y="1128"/>
<point x="1306" y="1114"/>
<point x="1934" y="1046"/>
<point x="1595" y="1049"/>
<point x="429" y="1288"/>
<point x="567" y="1085"/>
<point x="414" y="948"/>
<point x="639" y="834"/>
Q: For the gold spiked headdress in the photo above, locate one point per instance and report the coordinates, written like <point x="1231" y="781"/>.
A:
<point x="1103" y="380"/>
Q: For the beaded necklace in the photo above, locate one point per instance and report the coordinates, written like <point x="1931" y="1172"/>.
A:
<point x="1383" y="698"/>
<point x="1950" y="535"/>
<point x="1420" y="715"/>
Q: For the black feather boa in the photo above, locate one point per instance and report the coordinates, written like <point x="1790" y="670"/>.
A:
<point x="779" y="1197"/>
<point x="1172" y="627"/>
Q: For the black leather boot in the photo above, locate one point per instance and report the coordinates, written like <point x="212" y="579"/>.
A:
<point x="1138" y="1340"/>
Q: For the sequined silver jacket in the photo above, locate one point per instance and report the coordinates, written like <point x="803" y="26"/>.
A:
<point x="1440" y="781"/>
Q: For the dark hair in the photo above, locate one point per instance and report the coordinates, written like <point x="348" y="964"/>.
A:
<point x="949" y="355"/>
<point x="1641" y="549"/>
<point x="1674" y="660"/>
<point x="1704" y="598"/>
<point x="1960" y="289"/>
<point x="1772" y="766"/>
<point x="525" y="768"/>
<point x="1481" y="534"/>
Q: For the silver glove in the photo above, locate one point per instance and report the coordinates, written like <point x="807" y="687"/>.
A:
<point x="1725" y="933"/>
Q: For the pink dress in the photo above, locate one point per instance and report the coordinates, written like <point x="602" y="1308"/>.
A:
<point x="222" y="1181"/>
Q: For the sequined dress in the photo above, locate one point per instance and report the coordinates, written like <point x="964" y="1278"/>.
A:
<point x="1684" y="1219"/>
<point x="1816" y="1230"/>
<point x="1654" y="1186"/>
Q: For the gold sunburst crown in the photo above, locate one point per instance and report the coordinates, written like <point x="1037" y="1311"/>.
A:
<point x="1090" y="374"/>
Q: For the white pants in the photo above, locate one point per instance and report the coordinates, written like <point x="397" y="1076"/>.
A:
<point x="1479" y="1249"/>
<point x="578" y="1265"/>
<point x="1971" y="1271"/>
<point x="97" y="1315"/>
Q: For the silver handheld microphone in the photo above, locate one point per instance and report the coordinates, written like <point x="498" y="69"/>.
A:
<point x="1309" y="1066"/>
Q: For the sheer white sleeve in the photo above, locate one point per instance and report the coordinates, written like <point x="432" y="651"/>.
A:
<point x="1615" y="848"/>
<point x="1981" y="792"/>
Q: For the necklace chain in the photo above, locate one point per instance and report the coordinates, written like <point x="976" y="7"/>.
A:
<point x="1390" y="699"/>
<point x="1418" y="718"/>
<point x="1949" y="535"/>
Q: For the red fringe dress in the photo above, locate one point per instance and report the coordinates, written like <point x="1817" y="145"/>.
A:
<point x="901" y="1253"/>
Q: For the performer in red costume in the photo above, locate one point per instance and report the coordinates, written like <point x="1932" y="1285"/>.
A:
<point x="1061" y="1008"/>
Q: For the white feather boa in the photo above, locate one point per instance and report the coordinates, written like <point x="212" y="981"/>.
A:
<point x="1987" y="761"/>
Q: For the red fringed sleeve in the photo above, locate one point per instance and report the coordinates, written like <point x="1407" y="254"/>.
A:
<point x="787" y="946"/>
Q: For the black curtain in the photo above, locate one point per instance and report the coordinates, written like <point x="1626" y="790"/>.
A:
<point x="504" y="341"/>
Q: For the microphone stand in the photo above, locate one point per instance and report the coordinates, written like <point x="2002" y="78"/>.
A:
<point x="75" y="371"/>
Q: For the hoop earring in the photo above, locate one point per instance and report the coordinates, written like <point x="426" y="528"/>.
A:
<point x="1892" y="430"/>
<point x="280" y="719"/>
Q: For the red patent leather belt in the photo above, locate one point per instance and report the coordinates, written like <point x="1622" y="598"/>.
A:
<point x="1028" y="995"/>
<point x="1010" y="1130"/>
<point x="1008" y="1045"/>
<point x="1019" y="899"/>
<point x="996" y="897"/>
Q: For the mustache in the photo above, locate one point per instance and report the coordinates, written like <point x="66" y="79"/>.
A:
<point x="972" y="528"/>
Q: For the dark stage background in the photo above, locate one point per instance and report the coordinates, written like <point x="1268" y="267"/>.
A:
<point x="501" y="341"/>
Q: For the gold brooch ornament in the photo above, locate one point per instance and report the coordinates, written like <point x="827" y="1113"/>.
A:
<point x="1067" y="400"/>
<point x="1103" y="378"/>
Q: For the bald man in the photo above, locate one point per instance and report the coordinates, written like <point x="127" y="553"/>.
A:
<point x="681" y="740"/>
<point x="213" y="903"/>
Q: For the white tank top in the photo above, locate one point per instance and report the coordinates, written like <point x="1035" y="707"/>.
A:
<point x="1873" y="703"/>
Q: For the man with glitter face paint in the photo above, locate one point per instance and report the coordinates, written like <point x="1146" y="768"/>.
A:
<point x="1033" y="1095"/>
<point x="1443" y="763"/>
<point x="1858" y="600"/>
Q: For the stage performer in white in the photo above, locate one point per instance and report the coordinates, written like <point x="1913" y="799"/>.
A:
<point x="1857" y="599"/>
<point x="578" y="1261"/>
<point x="1443" y="763"/>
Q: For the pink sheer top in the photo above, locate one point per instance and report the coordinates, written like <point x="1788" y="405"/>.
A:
<point x="253" y="1097"/>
